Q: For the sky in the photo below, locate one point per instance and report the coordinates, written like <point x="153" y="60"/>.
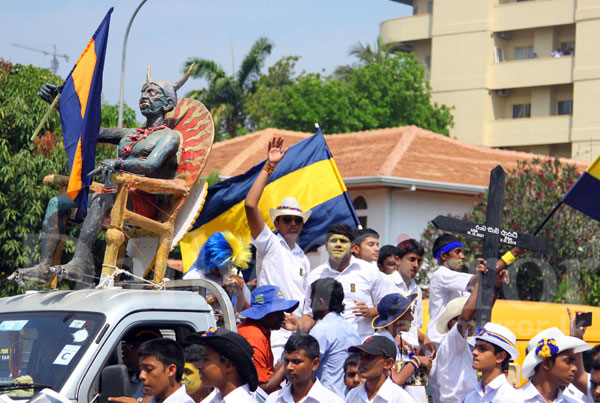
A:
<point x="165" y="34"/>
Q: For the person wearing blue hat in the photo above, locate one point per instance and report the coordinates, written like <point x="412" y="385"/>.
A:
<point x="266" y="313"/>
<point x="395" y="316"/>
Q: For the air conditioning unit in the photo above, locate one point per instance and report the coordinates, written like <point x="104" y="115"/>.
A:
<point x="504" y="35"/>
<point x="503" y="93"/>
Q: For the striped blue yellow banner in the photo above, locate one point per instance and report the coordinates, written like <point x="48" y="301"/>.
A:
<point x="585" y="193"/>
<point x="308" y="173"/>
<point x="80" y="106"/>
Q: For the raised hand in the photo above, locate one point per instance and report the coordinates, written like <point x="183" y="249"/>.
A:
<point x="276" y="152"/>
<point x="49" y="91"/>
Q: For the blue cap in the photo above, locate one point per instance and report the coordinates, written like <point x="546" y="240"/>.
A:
<point x="267" y="299"/>
<point x="391" y="308"/>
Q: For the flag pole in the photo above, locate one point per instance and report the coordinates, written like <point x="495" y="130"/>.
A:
<point x="554" y="210"/>
<point x="46" y="116"/>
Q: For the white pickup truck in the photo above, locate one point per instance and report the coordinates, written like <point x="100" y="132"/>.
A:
<point x="70" y="341"/>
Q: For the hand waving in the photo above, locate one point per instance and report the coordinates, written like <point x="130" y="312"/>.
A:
<point x="276" y="151"/>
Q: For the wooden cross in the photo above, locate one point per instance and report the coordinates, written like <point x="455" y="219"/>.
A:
<point x="492" y="235"/>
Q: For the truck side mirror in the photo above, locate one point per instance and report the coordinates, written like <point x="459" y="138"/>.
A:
<point x="114" y="382"/>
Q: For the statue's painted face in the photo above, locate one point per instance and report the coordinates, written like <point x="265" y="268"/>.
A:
<point x="191" y="378"/>
<point x="153" y="100"/>
<point x="338" y="246"/>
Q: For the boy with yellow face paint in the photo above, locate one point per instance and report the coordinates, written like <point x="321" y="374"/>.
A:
<point x="362" y="283"/>
<point x="191" y="377"/>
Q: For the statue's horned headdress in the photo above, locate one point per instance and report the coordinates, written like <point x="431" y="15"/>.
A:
<point x="170" y="89"/>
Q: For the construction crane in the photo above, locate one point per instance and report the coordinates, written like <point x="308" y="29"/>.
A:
<point x="53" y="62"/>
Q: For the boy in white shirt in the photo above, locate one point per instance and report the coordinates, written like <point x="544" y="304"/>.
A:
<point x="377" y="356"/>
<point x="301" y="360"/>
<point x="494" y="349"/>
<point x="365" y="245"/>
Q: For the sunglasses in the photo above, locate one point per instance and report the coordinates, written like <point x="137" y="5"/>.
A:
<point x="287" y="219"/>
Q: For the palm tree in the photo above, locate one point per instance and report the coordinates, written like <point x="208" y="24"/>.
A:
<point x="379" y="53"/>
<point x="225" y="95"/>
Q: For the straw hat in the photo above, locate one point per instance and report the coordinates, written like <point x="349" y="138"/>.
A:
<point x="289" y="206"/>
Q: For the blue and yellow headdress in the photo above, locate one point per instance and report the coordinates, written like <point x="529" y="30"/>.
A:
<point x="222" y="251"/>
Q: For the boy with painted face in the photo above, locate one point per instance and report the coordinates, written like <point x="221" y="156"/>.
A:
<point x="365" y="245"/>
<point x="494" y="348"/>
<point x="301" y="360"/>
<point x="226" y="365"/>
<point x="448" y="282"/>
<point x="377" y="356"/>
<point x="191" y="377"/>
<point x="363" y="284"/>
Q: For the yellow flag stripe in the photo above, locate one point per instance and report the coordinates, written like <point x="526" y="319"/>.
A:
<point x="84" y="73"/>
<point x="75" y="185"/>
<point x="594" y="168"/>
<point x="311" y="187"/>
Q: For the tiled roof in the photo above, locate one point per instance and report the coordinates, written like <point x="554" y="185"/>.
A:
<point x="407" y="152"/>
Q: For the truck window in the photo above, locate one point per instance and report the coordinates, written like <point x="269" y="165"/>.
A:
<point x="44" y="347"/>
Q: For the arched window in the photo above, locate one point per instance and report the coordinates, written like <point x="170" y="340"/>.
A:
<point x="359" y="203"/>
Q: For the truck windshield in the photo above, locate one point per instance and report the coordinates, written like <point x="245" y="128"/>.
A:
<point x="43" y="347"/>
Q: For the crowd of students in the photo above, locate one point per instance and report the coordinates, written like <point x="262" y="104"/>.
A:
<point x="349" y="329"/>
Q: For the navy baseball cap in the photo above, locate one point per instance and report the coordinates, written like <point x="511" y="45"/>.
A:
<point x="391" y="308"/>
<point x="376" y="345"/>
<point x="267" y="299"/>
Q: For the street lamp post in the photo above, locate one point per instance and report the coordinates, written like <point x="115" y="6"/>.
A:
<point x="120" y="122"/>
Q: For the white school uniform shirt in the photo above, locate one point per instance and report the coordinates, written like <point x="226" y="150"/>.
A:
<point x="317" y="394"/>
<point x="241" y="394"/>
<point x="452" y="376"/>
<point x="530" y="394"/>
<point x="179" y="396"/>
<point x="389" y="392"/>
<point x="361" y="282"/>
<point x="444" y="286"/>
<point x="395" y="279"/>
<point x="277" y="264"/>
<point x="497" y="391"/>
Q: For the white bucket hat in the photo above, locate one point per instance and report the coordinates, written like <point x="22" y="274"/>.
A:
<point x="549" y="343"/>
<point x="499" y="336"/>
<point x="289" y="206"/>
<point x="453" y="309"/>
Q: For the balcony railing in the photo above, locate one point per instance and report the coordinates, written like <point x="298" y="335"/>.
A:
<point x="531" y="72"/>
<point x="529" y="131"/>
<point x="531" y="14"/>
<point x="406" y="29"/>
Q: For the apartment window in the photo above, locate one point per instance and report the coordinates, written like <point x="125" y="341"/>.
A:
<point x="521" y="111"/>
<point x="567" y="48"/>
<point x="427" y="62"/>
<point x="430" y="7"/>
<point x="565" y="107"/>
<point x="525" y="52"/>
<point x="359" y="203"/>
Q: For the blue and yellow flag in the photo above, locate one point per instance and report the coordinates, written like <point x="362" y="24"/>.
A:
<point x="80" y="105"/>
<point x="307" y="172"/>
<point x="585" y="193"/>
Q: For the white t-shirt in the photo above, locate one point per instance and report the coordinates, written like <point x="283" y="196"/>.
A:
<point x="530" y="394"/>
<point x="497" y="391"/>
<point x="179" y="396"/>
<point x="445" y="285"/>
<point x="279" y="265"/>
<point x="395" y="279"/>
<point x="317" y="394"/>
<point x="389" y="392"/>
<point x="241" y="394"/>
<point x="452" y="376"/>
<point x="361" y="282"/>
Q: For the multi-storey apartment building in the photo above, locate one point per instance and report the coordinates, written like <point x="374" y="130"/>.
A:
<point x="521" y="74"/>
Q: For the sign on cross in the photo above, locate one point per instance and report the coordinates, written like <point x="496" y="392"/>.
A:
<point x="492" y="235"/>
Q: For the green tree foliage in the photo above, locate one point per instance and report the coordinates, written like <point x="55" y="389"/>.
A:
<point x="379" y="53"/>
<point x="375" y="95"/>
<point x="23" y="165"/>
<point x="225" y="96"/>
<point x="569" y="271"/>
